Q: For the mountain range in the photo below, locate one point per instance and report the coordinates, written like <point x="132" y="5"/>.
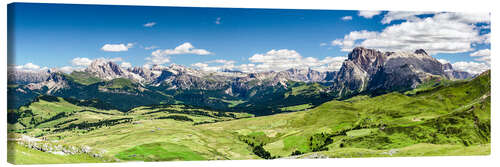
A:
<point x="365" y="71"/>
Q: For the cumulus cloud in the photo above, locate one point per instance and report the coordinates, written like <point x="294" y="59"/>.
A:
<point x="443" y="61"/>
<point x="215" y="65"/>
<point x="284" y="59"/>
<point x="402" y="15"/>
<point x="150" y="24"/>
<point x="28" y="66"/>
<point x="345" y="18"/>
<point x="116" y="47"/>
<point x="162" y="56"/>
<point x="81" y="61"/>
<point x="438" y="34"/>
<point x="274" y="60"/>
<point x="483" y="56"/>
<point x="471" y="67"/>
<point x="66" y="69"/>
<point x="185" y="48"/>
<point x="157" y="58"/>
<point x="466" y="18"/>
<point x="368" y="13"/>
<point x="125" y="65"/>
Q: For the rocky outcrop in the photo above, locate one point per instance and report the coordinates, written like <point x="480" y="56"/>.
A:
<point x="25" y="77"/>
<point x="455" y="74"/>
<point x="53" y="83"/>
<point x="357" y="71"/>
<point x="374" y="71"/>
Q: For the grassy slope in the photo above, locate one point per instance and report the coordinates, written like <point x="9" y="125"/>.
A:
<point x="447" y="120"/>
<point x="83" y="78"/>
<point x="136" y="140"/>
<point x="444" y="111"/>
<point x="18" y="154"/>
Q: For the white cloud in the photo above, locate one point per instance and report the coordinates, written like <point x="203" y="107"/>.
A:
<point x="466" y="18"/>
<point x="185" y="48"/>
<point x="162" y="56"/>
<point x="150" y="24"/>
<point x="323" y="44"/>
<point x="67" y="69"/>
<point x="402" y="15"/>
<point x="217" y="21"/>
<point x="443" y="61"/>
<point x="274" y="60"/>
<point x="81" y="61"/>
<point x="345" y="18"/>
<point x="437" y="34"/>
<point x="349" y="40"/>
<point x="150" y="47"/>
<point x="158" y="58"/>
<point x="471" y="67"/>
<point x="126" y="65"/>
<point x="368" y="13"/>
<point x="117" y="47"/>
<point x="284" y="59"/>
<point x="247" y="67"/>
<point x="28" y="66"/>
<point x="115" y="59"/>
<point x="221" y="61"/>
<point x="484" y="55"/>
<point x="218" y="65"/>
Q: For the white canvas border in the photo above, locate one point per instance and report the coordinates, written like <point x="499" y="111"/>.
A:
<point x="420" y="5"/>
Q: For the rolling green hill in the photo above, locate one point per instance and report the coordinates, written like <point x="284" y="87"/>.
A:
<point x="442" y="119"/>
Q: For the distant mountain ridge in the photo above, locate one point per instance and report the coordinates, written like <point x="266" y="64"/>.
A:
<point x="364" y="71"/>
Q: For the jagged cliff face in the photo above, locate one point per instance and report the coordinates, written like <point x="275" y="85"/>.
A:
<point x="356" y="72"/>
<point x="374" y="71"/>
<point x="454" y="74"/>
<point x="52" y="84"/>
<point x="25" y="77"/>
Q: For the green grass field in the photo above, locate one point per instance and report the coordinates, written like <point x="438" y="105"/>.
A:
<point x="18" y="154"/>
<point x="452" y="119"/>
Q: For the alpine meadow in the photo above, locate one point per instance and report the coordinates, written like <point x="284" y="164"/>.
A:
<point x="104" y="83"/>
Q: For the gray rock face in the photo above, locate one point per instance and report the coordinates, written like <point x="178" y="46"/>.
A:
<point x="455" y="74"/>
<point x="177" y="76"/>
<point x="106" y="70"/>
<point x="25" y="77"/>
<point x="356" y="72"/>
<point x="460" y="74"/>
<point x="371" y="70"/>
<point x="53" y="83"/>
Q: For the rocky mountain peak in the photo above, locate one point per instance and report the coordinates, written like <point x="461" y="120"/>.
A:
<point x="105" y="69"/>
<point x="364" y="55"/>
<point x="420" y="51"/>
<point x="447" y="66"/>
<point x="372" y="70"/>
<point x="367" y="59"/>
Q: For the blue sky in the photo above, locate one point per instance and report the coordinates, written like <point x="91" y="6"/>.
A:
<point x="56" y="36"/>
